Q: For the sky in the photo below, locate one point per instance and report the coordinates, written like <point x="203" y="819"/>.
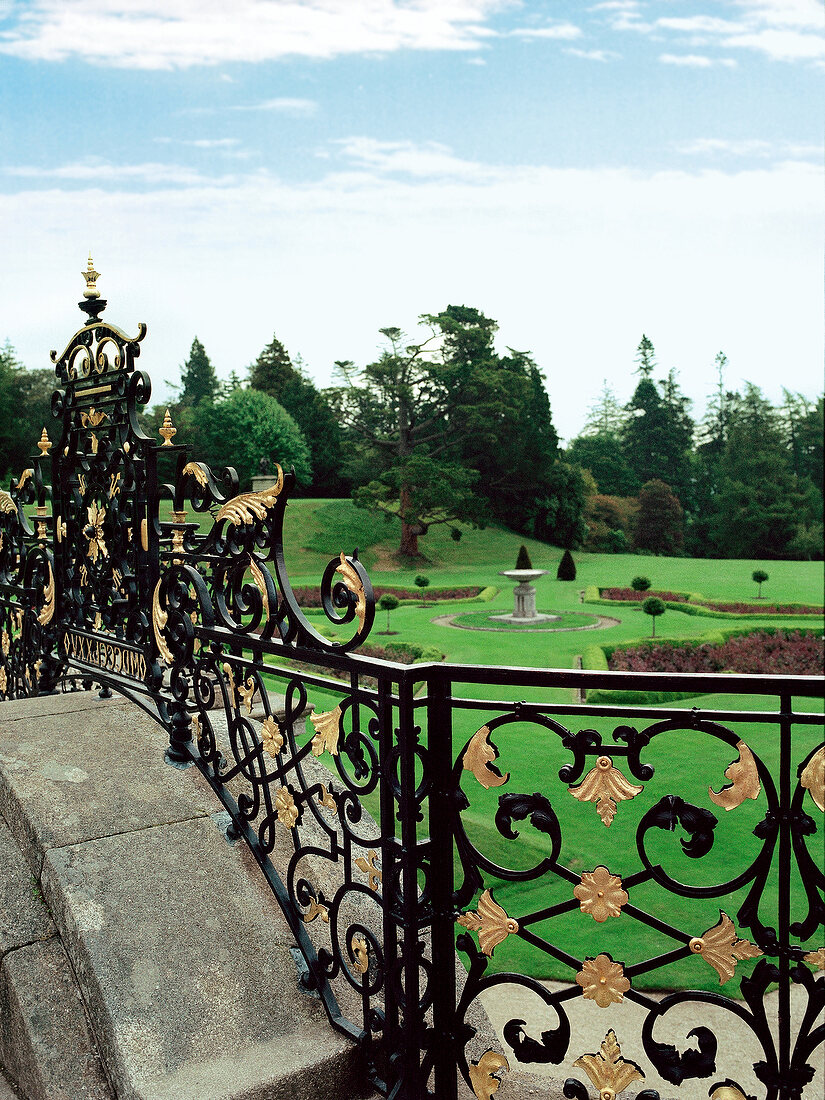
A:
<point x="320" y="169"/>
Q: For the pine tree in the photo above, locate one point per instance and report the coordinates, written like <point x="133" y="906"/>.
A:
<point x="645" y="357"/>
<point x="199" y="382"/>
<point x="274" y="373"/>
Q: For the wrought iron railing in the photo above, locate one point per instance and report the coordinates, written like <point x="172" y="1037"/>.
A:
<point x="407" y="816"/>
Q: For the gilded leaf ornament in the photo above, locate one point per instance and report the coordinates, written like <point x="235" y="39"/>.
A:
<point x="484" y="1084"/>
<point x="94" y="531"/>
<point x="327" y="727"/>
<point x="744" y="781"/>
<point x="271" y="736"/>
<point x="606" y="786"/>
<point x="7" y="505"/>
<point x="721" y="948"/>
<point x="728" y="1091"/>
<point x="195" y="470"/>
<point x="4" y="683"/>
<point x="478" y="759"/>
<point x="47" y="610"/>
<point x="247" y="690"/>
<point x="6" y="643"/>
<point x="353" y="582"/>
<point x="316" y="909"/>
<point x="491" y="923"/>
<point x="247" y="507"/>
<point x="285" y="807"/>
<point x="368" y="867"/>
<point x="361" y="960"/>
<point x="603" y="981"/>
<point x="159" y="620"/>
<point x="24" y="477"/>
<point x="816" y="959"/>
<point x="326" y="799"/>
<point x="260" y="584"/>
<point x="600" y="894"/>
<point x="813" y="777"/>
<point x="609" y="1072"/>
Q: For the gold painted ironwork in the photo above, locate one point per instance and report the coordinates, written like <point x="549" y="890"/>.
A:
<point x="144" y="533"/>
<point x="479" y="759"/>
<point x="728" y="1092"/>
<point x="606" y="786"/>
<point x="326" y="800"/>
<point x="285" y="806"/>
<point x="271" y="736"/>
<point x="813" y="777"/>
<point x="361" y="960"/>
<point x="91" y="276"/>
<point x="167" y="429"/>
<point x="247" y="507"/>
<point x="81" y="482"/>
<point x="44" y="443"/>
<point x="328" y="728"/>
<point x="483" y="1082"/>
<point x="60" y="528"/>
<point x="260" y="584"/>
<point x="815" y="958"/>
<point x="316" y="909"/>
<point x="24" y="477"/>
<point x="240" y="693"/>
<point x="368" y="867"/>
<point x="196" y="470"/>
<point x="7" y="505"/>
<point x="600" y="894"/>
<point x="744" y="780"/>
<point x="47" y="610"/>
<point x="353" y="582"/>
<point x="603" y="981"/>
<point x="84" y="575"/>
<point x="4" y="683"/>
<point x="721" y="948"/>
<point x="114" y="485"/>
<point x="94" y="531"/>
<point x="6" y="643"/>
<point x="609" y="1072"/>
<point x="159" y="620"/>
<point x="490" y="922"/>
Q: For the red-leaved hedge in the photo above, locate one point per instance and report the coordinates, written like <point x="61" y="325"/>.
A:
<point x="779" y="652"/>
<point x="308" y="596"/>
<point x="632" y="596"/>
<point x="767" y="609"/>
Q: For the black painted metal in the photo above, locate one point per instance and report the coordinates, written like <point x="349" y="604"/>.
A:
<point x="374" y="857"/>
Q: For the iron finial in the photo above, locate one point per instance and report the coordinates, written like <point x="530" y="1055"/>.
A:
<point x="44" y="444"/>
<point x="167" y="429"/>
<point x="91" y="276"/>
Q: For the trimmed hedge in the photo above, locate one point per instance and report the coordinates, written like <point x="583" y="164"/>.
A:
<point x="694" y="603"/>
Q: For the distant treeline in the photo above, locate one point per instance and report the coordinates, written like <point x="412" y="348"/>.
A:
<point x="449" y="431"/>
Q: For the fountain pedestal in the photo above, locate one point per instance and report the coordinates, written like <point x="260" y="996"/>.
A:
<point x="524" y="597"/>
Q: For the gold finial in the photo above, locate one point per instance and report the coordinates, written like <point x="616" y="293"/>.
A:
<point x="44" y="444"/>
<point x="167" y="429"/>
<point x="91" y="276"/>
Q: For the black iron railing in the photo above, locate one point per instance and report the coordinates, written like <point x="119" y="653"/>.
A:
<point x="434" y="834"/>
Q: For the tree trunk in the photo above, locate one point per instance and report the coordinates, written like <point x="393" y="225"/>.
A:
<point x="409" y="540"/>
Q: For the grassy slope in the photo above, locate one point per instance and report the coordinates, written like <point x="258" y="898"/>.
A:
<point x="316" y="531"/>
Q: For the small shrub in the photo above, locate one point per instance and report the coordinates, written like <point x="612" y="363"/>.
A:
<point x="388" y="603"/>
<point x="634" y="595"/>
<point x="640" y="584"/>
<point x="523" y="559"/>
<point x="759" y="576"/>
<point x="654" y="607"/>
<point x="567" y="568"/>
<point x="422" y="582"/>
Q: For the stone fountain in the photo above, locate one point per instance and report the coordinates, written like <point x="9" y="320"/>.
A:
<point x="524" y="595"/>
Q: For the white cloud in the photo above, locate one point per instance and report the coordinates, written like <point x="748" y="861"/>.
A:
<point x="211" y="143"/>
<point x="557" y="30"/>
<point x="781" y="45"/>
<point x="699" y="24"/>
<point x="98" y="172"/>
<point x="283" y="105"/>
<point x="691" y="60"/>
<point x="748" y="147"/>
<point x="592" y="55"/>
<point x="698" y="259"/>
<point x="169" y="34"/>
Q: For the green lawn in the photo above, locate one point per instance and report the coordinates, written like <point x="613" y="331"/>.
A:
<point x="686" y="763"/>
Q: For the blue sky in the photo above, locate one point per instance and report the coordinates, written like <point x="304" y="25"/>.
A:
<point x="582" y="172"/>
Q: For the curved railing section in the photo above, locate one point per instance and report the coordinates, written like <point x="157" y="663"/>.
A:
<point x="434" y="853"/>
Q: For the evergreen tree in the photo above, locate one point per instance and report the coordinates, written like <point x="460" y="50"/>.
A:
<point x="605" y="417"/>
<point x="759" y="504"/>
<point x="274" y="373"/>
<point x="603" y="456"/>
<point x="199" y="382"/>
<point x="645" y="357"/>
<point x="660" y="520"/>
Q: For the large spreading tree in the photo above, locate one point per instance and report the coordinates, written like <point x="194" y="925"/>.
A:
<point x="446" y="430"/>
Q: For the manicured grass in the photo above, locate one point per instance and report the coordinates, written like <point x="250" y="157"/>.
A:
<point x="562" y="620"/>
<point x="686" y="762"/>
